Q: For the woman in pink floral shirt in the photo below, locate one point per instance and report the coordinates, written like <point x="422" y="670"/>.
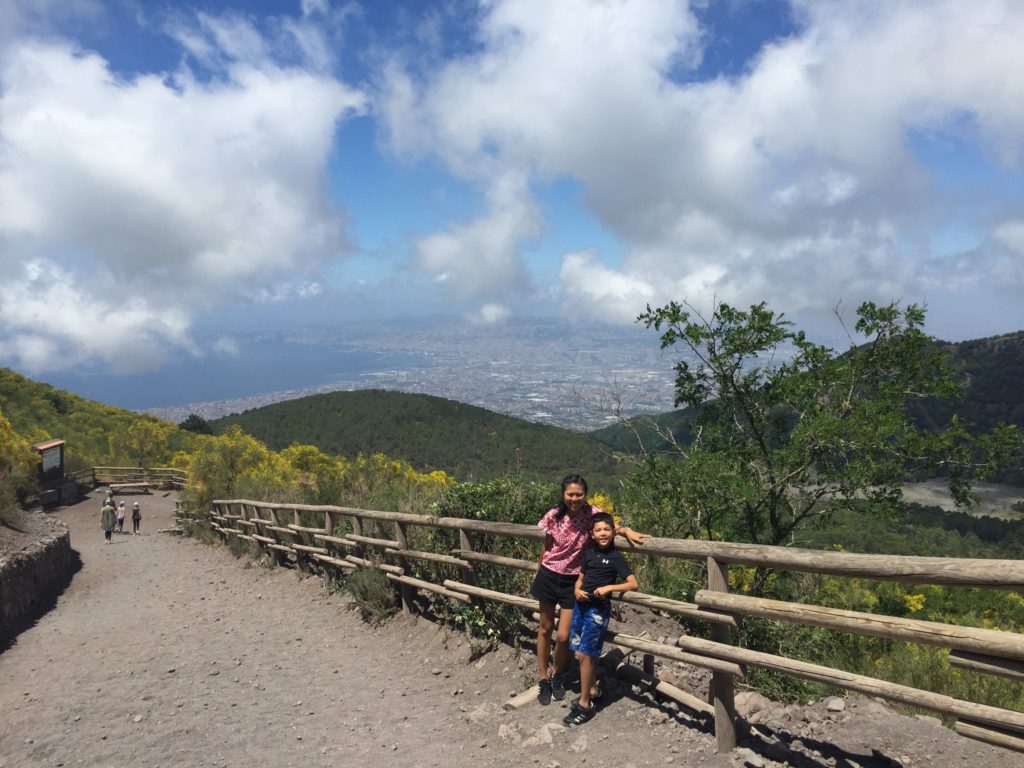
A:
<point x="568" y="531"/>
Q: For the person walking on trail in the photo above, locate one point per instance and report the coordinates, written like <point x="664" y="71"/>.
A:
<point x="136" y="517"/>
<point x="568" y="531"/>
<point x="120" y="517"/>
<point x="108" y="519"/>
<point x="604" y="570"/>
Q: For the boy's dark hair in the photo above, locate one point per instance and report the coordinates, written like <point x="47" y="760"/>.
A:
<point x="602" y="517"/>
<point x="568" y="480"/>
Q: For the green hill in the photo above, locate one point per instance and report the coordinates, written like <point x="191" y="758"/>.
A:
<point x="429" y="433"/>
<point x="993" y="369"/>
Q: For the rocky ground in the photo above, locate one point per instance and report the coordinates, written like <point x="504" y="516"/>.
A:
<point x="167" y="652"/>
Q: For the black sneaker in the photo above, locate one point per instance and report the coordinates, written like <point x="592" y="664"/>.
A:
<point x="557" y="687"/>
<point x="544" y="692"/>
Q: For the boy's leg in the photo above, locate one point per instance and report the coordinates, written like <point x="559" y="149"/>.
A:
<point x="593" y="632"/>
<point x="588" y="677"/>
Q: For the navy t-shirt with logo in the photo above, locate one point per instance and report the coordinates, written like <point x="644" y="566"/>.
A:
<point x="602" y="567"/>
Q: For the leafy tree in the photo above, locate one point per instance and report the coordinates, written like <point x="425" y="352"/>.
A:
<point x="146" y="441"/>
<point x="218" y="464"/>
<point x="786" y="431"/>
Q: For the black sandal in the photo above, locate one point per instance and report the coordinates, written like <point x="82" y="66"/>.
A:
<point x="578" y="715"/>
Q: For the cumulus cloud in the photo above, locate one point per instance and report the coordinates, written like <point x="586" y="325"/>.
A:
<point x="185" y="186"/>
<point x="798" y="181"/>
<point x="596" y="290"/>
<point x="482" y="256"/>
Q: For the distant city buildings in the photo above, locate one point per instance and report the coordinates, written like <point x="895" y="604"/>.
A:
<point x="539" y="370"/>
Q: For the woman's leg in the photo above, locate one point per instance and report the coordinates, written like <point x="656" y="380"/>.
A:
<point x="562" y="653"/>
<point x="547" y="623"/>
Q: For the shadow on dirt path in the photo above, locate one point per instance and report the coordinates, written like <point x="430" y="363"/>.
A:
<point x="45" y="603"/>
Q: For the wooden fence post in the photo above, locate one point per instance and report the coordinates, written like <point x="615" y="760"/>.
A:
<point x="466" y="543"/>
<point x="722" y="683"/>
<point x="408" y="592"/>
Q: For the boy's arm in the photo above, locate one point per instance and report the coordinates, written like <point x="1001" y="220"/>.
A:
<point x="630" y="535"/>
<point x="629" y="585"/>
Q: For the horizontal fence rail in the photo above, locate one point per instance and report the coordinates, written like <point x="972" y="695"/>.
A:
<point x="137" y="478"/>
<point x="343" y="541"/>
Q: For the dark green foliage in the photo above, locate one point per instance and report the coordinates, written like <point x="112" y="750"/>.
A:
<point x="429" y="433"/>
<point x="924" y="531"/>
<point x="651" y="433"/>
<point x="992" y="370"/>
<point x="510" y="500"/>
<point x="196" y="423"/>
<point x="373" y="593"/>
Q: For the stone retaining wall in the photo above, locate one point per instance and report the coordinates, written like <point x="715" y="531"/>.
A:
<point x="31" y="577"/>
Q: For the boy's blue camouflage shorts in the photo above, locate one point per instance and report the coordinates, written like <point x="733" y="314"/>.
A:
<point x="589" y="627"/>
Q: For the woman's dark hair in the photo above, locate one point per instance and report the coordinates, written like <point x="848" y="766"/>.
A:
<point x="568" y="480"/>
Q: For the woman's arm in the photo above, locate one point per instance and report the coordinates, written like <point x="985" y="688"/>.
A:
<point x="578" y="589"/>
<point x="548" y="541"/>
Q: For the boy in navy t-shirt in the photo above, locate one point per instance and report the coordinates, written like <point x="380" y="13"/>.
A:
<point x="604" y="571"/>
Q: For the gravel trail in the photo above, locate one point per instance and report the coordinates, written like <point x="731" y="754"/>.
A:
<point x="167" y="652"/>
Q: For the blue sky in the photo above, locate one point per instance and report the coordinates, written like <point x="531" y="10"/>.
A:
<point x="168" y="170"/>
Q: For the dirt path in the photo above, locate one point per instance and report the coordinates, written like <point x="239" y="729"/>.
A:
<point x="167" y="652"/>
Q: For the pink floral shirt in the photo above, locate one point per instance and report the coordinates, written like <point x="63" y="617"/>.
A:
<point x="569" y="536"/>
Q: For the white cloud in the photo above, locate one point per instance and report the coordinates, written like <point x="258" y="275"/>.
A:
<point x="187" y="187"/>
<point x="490" y="314"/>
<point x="226" y="346"/>
<point x="1011" y="235"/>
<point x="594" y="290"/>
<point x="797" y="181"/>
<point x="52" y="321"/>
<point x="482" y="256"/>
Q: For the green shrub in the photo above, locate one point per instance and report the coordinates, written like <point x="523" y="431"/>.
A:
<point x="373" y="593"/>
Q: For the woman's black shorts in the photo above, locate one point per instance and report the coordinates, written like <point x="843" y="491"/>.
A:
<point x="554" y="588"/>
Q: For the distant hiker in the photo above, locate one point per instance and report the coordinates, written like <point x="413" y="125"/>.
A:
<point x="568" y="531"/>
<point x="108" y="519"/>
<point x="604" y="570"/>
<point x="120" y="517"/>
<point x="136" y="517"/>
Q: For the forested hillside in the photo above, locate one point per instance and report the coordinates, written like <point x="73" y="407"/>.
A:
<point x="993" y="370"/>
<point x="428" y="432"/>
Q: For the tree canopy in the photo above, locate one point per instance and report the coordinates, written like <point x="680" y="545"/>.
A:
<point x="786" y="431"/>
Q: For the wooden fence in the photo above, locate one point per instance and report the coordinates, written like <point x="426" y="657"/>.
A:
<point x="124" y="478"/>
<point x="339" y="541"/>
